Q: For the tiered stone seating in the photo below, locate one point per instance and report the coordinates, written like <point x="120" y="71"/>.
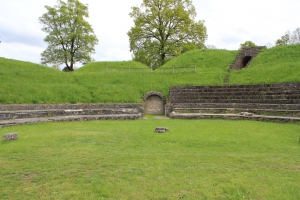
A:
<point x="259" y="101"/>
<point x="36" y="113"/>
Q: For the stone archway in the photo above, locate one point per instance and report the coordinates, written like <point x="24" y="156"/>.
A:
<point x="245" y="57"/>
<point x="154" y="103"/>
<point x="246" y="61"/>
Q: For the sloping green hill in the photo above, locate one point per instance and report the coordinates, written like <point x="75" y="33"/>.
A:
<point x="112" y="82"/>
<point x="207" y="60"/>
<point x="110" y="66"/>
<point x="280" y="64"/>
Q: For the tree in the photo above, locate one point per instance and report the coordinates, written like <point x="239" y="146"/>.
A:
<point x="70" y="37"/>
<point x="289" y="38"/>
<point x="284" y="40"/>
<point x="163" y="29"/>
<point x="247" y="44"/>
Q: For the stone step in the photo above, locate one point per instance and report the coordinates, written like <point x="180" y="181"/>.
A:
<point x="265" y="86"/>
<point x="263" y="101"/>
<point x="70" y="118"/>
<point x="8" y="107"/>
<point x="237" y="92"/>
<point x="220" y="89"/>
<point x="273" y="112"/>
<point x="237" y="106"/>
<point x="6" y="115"/>
<point x="182" y="97"/>
<point x="233" y="117"/>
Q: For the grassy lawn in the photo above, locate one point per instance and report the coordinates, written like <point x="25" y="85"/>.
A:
<point x="195" y="159"/>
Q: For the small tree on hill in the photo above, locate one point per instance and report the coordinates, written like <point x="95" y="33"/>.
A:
<point x="70" y="37"/>
<point x="163" y="29"/>
<point x="247" y="44"/>
<point x="289" y="38"/>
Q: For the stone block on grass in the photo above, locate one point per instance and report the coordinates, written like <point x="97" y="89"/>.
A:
<point x="10" y="136"/>
<point x="161" y="130"/>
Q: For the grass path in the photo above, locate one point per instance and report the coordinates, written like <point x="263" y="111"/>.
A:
<point x="195" y="159"/>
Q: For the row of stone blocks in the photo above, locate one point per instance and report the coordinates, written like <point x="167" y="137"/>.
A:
<point x="237" y="101"/>
<point x="259" y="87"/>
<point x="285" y="119"/>
<point x="235" y="92"/>
<point x="270" y="99"/>
<point x="181" y="98"/>
<point x="238" y="106"/>
<point x="35" y="113"/>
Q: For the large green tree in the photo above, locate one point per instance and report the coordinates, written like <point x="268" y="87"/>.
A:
<point x="70" y="37"/>
<point x="163" y="29"/>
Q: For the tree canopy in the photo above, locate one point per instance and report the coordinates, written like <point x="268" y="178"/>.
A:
<point x="247" y="44"/>
<point x="289" y="38"/>
<point x="164" y="29"/>
<point x="70" y="37"/>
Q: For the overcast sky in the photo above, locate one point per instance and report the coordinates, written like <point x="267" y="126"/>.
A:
<point x="229" y="23"/>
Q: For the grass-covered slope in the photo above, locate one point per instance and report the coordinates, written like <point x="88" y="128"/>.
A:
<point x="111" y="66"/>
<point x="23" y="82"/>
<point x="211" y="65"/>
<point x="279" y="64"/>
<point x="113" y="82"/>
<point x="207" y="60"/>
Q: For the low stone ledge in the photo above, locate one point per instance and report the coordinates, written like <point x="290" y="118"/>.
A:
<point x="233" y="117"/>
<point x="70" y="118"/>
<point x="10" y="137"/>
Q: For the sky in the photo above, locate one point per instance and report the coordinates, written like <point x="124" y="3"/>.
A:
<point x="229" y="23"/>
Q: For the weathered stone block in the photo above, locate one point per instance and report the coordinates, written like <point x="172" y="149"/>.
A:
<point x="161" y="130"/>
<point x="10" y="136"/>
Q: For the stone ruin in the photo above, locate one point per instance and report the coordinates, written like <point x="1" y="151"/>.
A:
<point x="10" y="136"/>
<point x="245" y="56"/>
<point x="161" y="130"/>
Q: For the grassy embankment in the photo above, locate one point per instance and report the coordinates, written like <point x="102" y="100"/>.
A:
<point x="23" y="82"/>
<point x="196" y="159"/>
<point x="276" y="65"/>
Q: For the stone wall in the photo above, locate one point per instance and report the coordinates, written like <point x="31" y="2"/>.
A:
<point x="11" y="107"/>
<point x="21" y="111"/>
<point x="18" y="114"/>
<point x="244" y="58"/>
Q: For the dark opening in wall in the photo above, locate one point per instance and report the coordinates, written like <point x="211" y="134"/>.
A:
<point x="245" y="61"/>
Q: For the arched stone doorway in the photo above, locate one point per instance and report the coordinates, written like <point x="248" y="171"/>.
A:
<point x="154" y="103"/>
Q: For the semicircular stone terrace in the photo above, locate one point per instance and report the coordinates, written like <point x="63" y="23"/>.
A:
<point x="266" y="102"/>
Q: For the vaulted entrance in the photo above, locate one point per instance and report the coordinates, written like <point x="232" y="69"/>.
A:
<point x="154" y="103"/>
<point x="246" y="61"/>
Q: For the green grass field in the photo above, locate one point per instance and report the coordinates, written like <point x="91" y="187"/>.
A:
<point x="115" y="82"/>
<point x="195" y="159"/>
